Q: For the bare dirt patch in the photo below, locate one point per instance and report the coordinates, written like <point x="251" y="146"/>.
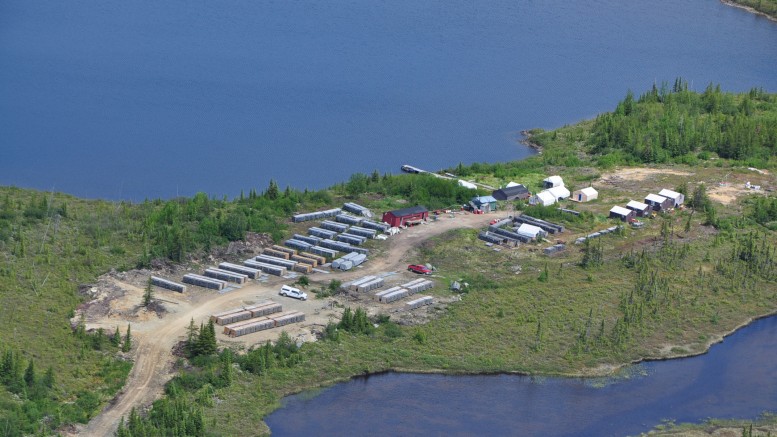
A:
<point x="116" y="301"/>
<point x="639" y="174"/>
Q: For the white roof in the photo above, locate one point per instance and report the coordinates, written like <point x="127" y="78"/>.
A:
<point x="669" y="193"/>
<point x="559" y="192"/>
<point x="620" y="210"/>
<point x="529" y="230"/>
<point x="637" y="205"/>
<point x="469" y="185"/>
<point x="555" y="180"/>
<point x="546" y="197"/>
<point x="655" y="198"/>
<point x="511" y="184"/>
<point x="588" y="191"/>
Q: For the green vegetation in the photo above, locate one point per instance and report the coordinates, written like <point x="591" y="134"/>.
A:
<point x="622" y="297"/>
<point x="767" y="7"/>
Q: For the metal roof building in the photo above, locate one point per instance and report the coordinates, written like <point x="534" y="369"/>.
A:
<point x="678" y="198"/>
<point x="512" y="192"/>
<point x="624" y="214"/>
<point x="640" y="208"/>
<point x="401" y="217"/>
<point x="585" y="194"/>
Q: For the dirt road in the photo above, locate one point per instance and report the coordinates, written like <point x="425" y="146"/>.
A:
<point x="155" y="337"/>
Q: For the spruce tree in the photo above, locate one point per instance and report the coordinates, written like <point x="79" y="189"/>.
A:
<point x="116" y="337"/>
<point x="29" y="374"/>
<point x="48" y="378"/>
<point x="127" y="340"/>
<point x="148" y="294"/>
<point x="191" y="339"/>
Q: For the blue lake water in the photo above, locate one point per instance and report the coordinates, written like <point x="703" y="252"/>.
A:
<point x="736" y="379"/>
<point x="136" y="99"/>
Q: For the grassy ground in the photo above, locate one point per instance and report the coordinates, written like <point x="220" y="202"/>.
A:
<point x="572" y="323"/>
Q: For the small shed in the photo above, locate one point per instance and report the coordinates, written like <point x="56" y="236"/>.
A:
<point x="659" y="203"/>
<point x="642" y="209"/>
<point x="513" y="192"/>
<point x="585" y="195"/>
<point x="559" y="192"/>
<point x="531" y="231"/>
<point x="401" y="217"/>
<point x="484" y="203"/>
<point x="544" y="198"/>
<point x="552" y="181"/>
<point x="621" y="213"/>
<point x="677" y="198"/>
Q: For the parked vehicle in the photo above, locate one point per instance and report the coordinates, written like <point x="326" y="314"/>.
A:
<point x="296" y="293"/>
<point x="418" y="268"/>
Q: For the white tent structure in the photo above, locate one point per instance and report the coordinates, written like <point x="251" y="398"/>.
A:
<point x="544" y="198"/>
<point x="531" y="231"/>
<point x="553" y="181"/>
<point x="560" y="192"/>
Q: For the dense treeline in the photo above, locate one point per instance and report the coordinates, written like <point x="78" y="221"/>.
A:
<point x="768" y="7"/>
<point x="676" y="124"/>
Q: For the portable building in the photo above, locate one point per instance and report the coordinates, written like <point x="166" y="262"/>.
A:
<point x="552" y="181"/>
<point x="484" y="203"/>
<point x="419" y="302"/>
<point x="531" y="231"/>
<point x="585" y="194"/>
<point x="659" y="203"/>
<point x="641" y="209"/>
<point x="544" y="198"/>
<point x="401" y="217"/>
<point x="318" y="215"/>
<point x="678" y="198"/>
<point x="248" y="271"/>
<point x="203" y="281"/>
<point x="226" y="275"/>
<point x="514" y="192"/>
<point x="621" y="213"/>
<point x="170" y="285"/>
<point x="357" y="209"/>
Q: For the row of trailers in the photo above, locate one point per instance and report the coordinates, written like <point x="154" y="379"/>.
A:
<point x="213" y="278"/>
<point x="525" y="229"/>
<point x="395" y="293"/>
<point x="249" y="319"/>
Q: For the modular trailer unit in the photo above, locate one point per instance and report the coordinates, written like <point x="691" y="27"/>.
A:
<point x="334" y="226"/>
<point x="354" y="285"/>
<point x="357" y="209"/>
<point x="371" y="285"/>
<point x="276" y="253"/>
<point x="342" y="246"/>
<point x="393" y="296"/>
<point x="320" y="259"/>
<point x="248" y="271"/>
<point x="348" y="219"/>
<point x="297" y="244"/>
<point x="323" y="251"/>
<point x="283" y="249"/>
<point x="382" y="293"/>
<point x="305" y="260"/>
<point x="417" y="303"/>
<point x="362" y="232"/>
<point x="380" y="227"/>
<point x="225" y="275"/>
<point x="318" y="215"/>
<point x="351" y="239"/>
<point x="321" y="233"/>
<point x="170" y="285"/>
<point x="203" y="281"/>
<point x="307" y="239"/>
<point x="266" y="268"/>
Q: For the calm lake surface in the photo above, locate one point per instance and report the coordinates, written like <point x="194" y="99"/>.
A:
<point x="736" y="379"/>
<point x="136" y="99"/>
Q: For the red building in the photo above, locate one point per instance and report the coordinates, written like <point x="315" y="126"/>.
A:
<point x="401" y="217"/>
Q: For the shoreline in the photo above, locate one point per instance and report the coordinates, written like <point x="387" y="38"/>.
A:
<point x="597" y="372"/>
<point x="526" y="141"/>
<point x="749" y="9"/>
